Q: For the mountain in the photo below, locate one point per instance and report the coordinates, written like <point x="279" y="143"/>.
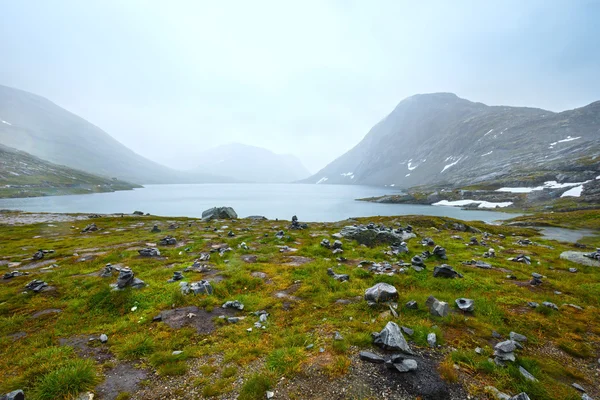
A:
<point x="251" y="164"/>
<point x="37" y="126"/>
<point x="24" y="175"/>
<point x="441" y="139"/>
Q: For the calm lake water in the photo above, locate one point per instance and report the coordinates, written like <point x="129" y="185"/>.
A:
<point x="311" y="203"/>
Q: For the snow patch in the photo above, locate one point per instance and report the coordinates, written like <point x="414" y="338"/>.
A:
<point x="482" y="204"/>
<point x="5" y="122"/>
<point x="451" y="164"/>
<point x="410" y="168"/>
<point x="348" y="174"/>
<point x="407" y="175"/>
<point x="574" y="192"/>
<point x="393" y="184"/>
<point x="487" y="154"/>
<point x="323" y="179"/>
<point x="490" y="131"/>
<point x="568" y="139"/>
<point x="547" y="185"/>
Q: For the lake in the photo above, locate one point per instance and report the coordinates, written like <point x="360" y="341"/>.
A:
<point x="311" y="203"/>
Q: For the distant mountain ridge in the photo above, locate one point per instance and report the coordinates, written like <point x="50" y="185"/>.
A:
<point x="251" y="164"/>
<point x="24" y="175"/>
<point x="441" y="139"/>
<point x="37" y="126"/>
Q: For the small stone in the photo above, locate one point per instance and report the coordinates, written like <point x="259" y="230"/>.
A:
<point x="533" y="304"/>
<point x="14" y="395"/>
<point x="467" y="305"/>
<point x="573" y="270"/>
<point x="527" y="375"/>
<point x="310" y="346"/>
<point x="478" y="350"/>
<point x="270" y="395"/>
<point x="550" y="305"/>
<point x="408" y="331"/>
<point x="412" y="305"/>
<point x="517" y="337"/>
<point x="233" y="304"/>
<point x="338" y="336"/>
<point x="371" y="357"/>
<point x="103" y="338"/>
<point x="431" y="339"/>
<point x="177" y="352"/>
<point x="437" y="308"/>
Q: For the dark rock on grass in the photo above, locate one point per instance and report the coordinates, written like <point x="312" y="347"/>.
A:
<point x="14" y="395"/>
<point x="478" y="264"/>
<point x="219" y="213"/>
<point x="90" y="228"/>
<point x="533" y="304"/>
<point x="14" y="274"/>
<point x="380" y="293"/>
<point x="521" y="258"/>
<point x="437" y="308"/>
<point x="167" y="241"/>
<point x="233" y="304"/>
<point x="177" y="276"/>
<point x="550" y="305"/>
<point x="445" y="271"/>
<point x="408" y="331"/>
<point x="36" y="285"/>
<point x="326" y="243"/>
<point x="417" y="263"/>
<point x="107" y="271"/>
<point x="440" y="252"/>
<point x="594" y="255"/>
<point x="338" y="277"/>
<point x="38" y="255"/>
<point x="149" y="252"/>
<point x="155" y="229"/>
<point x="517" y="337"/>
<point x="201" y="287"/>
<point x="138" y="213"/>
<point x="391" y="338"/>
<point x="467" y="305"/>
<point x="412" y="305"/>
<point x="536" y="279"/>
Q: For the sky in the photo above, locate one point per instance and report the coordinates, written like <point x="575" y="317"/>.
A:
<point x="309" y="78"/>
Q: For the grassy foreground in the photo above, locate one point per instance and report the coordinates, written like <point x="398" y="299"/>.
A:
<point x="40" y="352"/>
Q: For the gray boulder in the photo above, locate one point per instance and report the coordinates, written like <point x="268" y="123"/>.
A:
<point x="202" y="287"/>
<point x="168" y="241"/>
<point x="465" y="304"/>
<point x="580" y="258"/>
<point x="125" y="278"/>
<point x="431" y="339"/>
<point x="149" y="252"/>
<point x="338" y="277"/>
<point x="517" y="337"/>
<point x="14" y="395"/>
<point x="391" y="338"/>
<point x="445" y="271"/>
<point x="437" y="308"/>
<point x="371" y="357"/>
<point x="219" y="213"/>
<point x="36" y="285"/>
<point x="233" y="304"/>
<point x="381" y="293"/>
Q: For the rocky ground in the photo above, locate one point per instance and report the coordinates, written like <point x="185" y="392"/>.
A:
<point x="255" y="309"/>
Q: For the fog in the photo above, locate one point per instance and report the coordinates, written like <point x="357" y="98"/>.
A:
<point x="309" y="78"/>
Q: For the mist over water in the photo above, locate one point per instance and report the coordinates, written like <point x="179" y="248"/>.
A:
<point x="311" y="203"/>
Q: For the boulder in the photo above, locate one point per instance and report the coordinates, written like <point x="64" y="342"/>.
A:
<point x="437" y="308"/>
<point x="233" y="304"/>
<point x="371" y="357"/>
<point x="90" y="228"/>
<point x="391" y="338"/>
<point x="445" y="271"/>
<point x="36" y="285"/>
<point x="465" y="304"/>
<point x="374" y="236"/>
<point x="202" y="287"/>
<point x="155" y="229"/>
<point x="412" y="305"/>
<point x="440" y="252"/>
<point x="338" y="277"/>
<point x="380" y="293"/>
<point x="417" y="263"/>
<point x="167" y="241"/>
<point x="219" y="213"/>
<point x="14" y="395"/>
<point x="177" y="276"/>
<point x="149" y="252"/>
<point x="580" y="258"/>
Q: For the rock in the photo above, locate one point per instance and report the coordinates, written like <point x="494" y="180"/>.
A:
<point x="177" y="276"/>
<point x="437" y="308"/>
<point x="408" y="331"/>
<point x="90" y="228"/>
<point x="38" y="255"/>
<point x="446" y="271"/>
<point x="473" y="241"/>
<point x="325" y="243"/>
<point x="201" y="287"/>
<point x="338" y="277"/>
<point x="581" y="258"/>
<point x="280" y="235"/>
<point x="428" y="242"/>
<point x="372" y="236"/>
<point x="498" y="395"/>
<point x="504" y="351"/>
<point x="125" y="278"/>
<point x="465" y="304"/>
<point x="36" y="285"/>
<point x="508" y="346"/>
<point x="520" y="396"/>
<point x="167" y="241"/>
<point x="527" y="375"/>
<point x="391" y="338"/>
<point x="536" y="279"/>
<point x="244" y="246"/>
<point x="138" y="213"/>
<point x="595" y="255"/>
<point x="491" y="253"/>
<point x="103" y="338"/>
<point x="204" y="257"/>
<point x="233" y="304"/>
<point x="155" y="229"/>
<point x="517" y="337"/>
<point x="149" y="252"/>
<point x="14" y="395"/>
<point x="584" y="396"/>
<point x="417" y="262"/>
<point x="522" y="259"/>
<point x="270" y="394"/>
<point x="440" y="252"/>
<point x="337" y="244"/>
<point x="371" y="357"/>
<point x="412" y="305"/>
<point x="406" y="365"/>
<point x="524" y="242"/>
<point x="550" y="305"/>
<point x="297" y="225"/>
<point x="380" y="293"/>
<point x="533" y="304"/>
<point x="478" y="264"/>
<point x="219" y="213"/>
<point x="578" y="387"/>
<point x="338" y="336"/>
<point x="573" y="270"/>
<point x="431" y="339"/>
<point x="14" y="274"/>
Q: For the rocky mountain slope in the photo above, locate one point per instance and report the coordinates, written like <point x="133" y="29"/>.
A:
<point x="441" y="139"/>
<point x="24" y="175"/>
<point x="251" y="164"/>
<point x="37" y="126"/>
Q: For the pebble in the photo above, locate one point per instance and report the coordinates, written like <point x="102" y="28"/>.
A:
<point x="103" y="338"/>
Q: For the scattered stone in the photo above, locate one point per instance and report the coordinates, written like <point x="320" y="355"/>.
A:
<point x="417" y="263"/>
<point x="517" y="337"/>
<point x="521" y="258"/>
<point x="219" y="213"/>
<point x="380" y="293"/>
<point x="573" y="270"/>
<point x="431" y="339"/>
<point x="491" y="253"/>
<point x="280" y="235"/>
<point x="498" y="395"/>
<point x="233" y="304"/>
<point x="527" y="375"/>
<point x="550" y="305"/>
<point x="504" y="351"/>
<point x="38" y="255"/>
<point x="437" y="308"/>
<point x="578" y="387"/>
<point x="406" y="365"/>
<point x="370" y="357"/>
<point x="412" y="305"/>
<point x="149" y="252"/>
<point x="90" y="228"/>
<point x="177" y="276"/>
<point x="103" y="338"/>
<point x="478" y="264"/>
<point x="445" y="271"/>
<point x="201" y="287"/>
<point x="428" y="242"/>
<point x="297" y="225"/>
<point x="440" y="252"/>
<point x="524" y="242"/>
<point x="270" y="395"/>
<point x="167" y="241"/>
<point x="338" y="277"/>
<point x="478" y="350"/>
<point x="473" y="241"/>
<point x="338" y="336"/>
<point x="14" y="395"/>
<point x="391" y="338"/>
<point x="584" y="396"/>
<point x="36" y="285"/>
<point x="325" y="243"/>
<point x="155" y="229"/>
<point x="465" y="304"/>
<point x="408" y="331"/>
<point x="536" y="279"/>
<point x="595" y="255"/>
<point x="14" y="274"/>
<point x="533" y="304"/>
<point x="520" y="396"/>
